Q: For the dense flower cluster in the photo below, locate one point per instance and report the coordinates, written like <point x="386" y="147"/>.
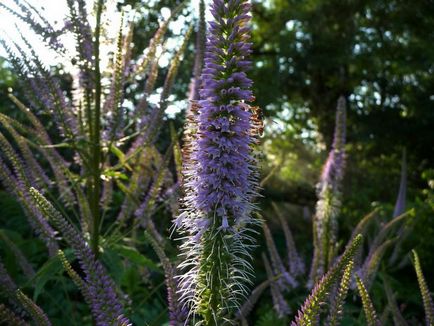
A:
<point x="221" y="167"/>
<point x="220" y="179"/>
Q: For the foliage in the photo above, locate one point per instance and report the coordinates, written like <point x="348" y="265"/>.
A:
<point x="111" y="218"/>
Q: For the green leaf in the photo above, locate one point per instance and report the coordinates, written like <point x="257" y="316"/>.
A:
<point x="133" y="255"/>
<point x="49" y="271"/>
<point x="119" y="154"/>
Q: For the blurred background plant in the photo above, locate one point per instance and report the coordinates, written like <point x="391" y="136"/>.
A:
<point x="377" y="54"/>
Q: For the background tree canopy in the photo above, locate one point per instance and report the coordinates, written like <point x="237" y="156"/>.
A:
<point x="379" y="55"/>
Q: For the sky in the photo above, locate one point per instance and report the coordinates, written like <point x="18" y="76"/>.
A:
<point x="55" y="12"/>
<point x="9" y="24"/>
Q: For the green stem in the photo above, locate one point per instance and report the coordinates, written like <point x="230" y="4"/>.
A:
<point x="214" y="272"/>
<point x="96" y="140"/>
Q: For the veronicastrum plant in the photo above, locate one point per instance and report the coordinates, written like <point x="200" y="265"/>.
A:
<point x="66" y="176"/>
<point x="220" y="174"/>
<point x="65" y="186"/>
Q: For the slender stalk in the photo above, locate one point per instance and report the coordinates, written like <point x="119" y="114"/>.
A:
<point x="96" y="139"/>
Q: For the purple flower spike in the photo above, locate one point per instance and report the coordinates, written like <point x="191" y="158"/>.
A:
<point x="333" y="170"/>
<point x="402" y="194"/>
<point x="325" y="225"/>
<point x="223" y="156"/>
<point x="220" y="178"/>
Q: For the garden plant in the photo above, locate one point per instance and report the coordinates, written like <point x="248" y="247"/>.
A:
<point x="134" y="219"/>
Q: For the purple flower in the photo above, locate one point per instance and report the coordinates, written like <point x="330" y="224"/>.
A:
<point x="219" y="174"/>
<point x="333" y="170"/>
<point x="17" y="185"/>
<point x="286" y="280"/>
<point x="325" y="225"/>
<point x="279" y="303"/>
<point x="223" y="165"/>
<point x="100" y="292"/>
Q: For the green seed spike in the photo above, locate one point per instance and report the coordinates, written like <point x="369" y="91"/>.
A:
<point x="173" y="69"/>
<point x="426" y="295"/>
<point x="35" y="169"/>
<point x="114" y="99"/>
<point x="18" y="126"/>
<point x="33" y="309"/>
<point x="368" y="307"/>
<point x="30" y="116"/>
<point x="338" y="304"/>
<point x="73" y="274"/>
<point x="69" y="232"/>
<point x="310" y="310"/>
<point x="378" y="240"/>
<point x="364" y="222"/>
<point x="371" y="265"/>
<point x="147" y="208"/>
<point x="156" y="120"/>
<point x="13" y="158"/>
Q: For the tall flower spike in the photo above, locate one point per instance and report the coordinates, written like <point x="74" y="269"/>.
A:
<point x="113" y="103"/>
<point x="191" y="114"/>
<point x="402" y="194"/>
<point x="220" y="179"/>
<point x="400" y="208"/>
<point x="426" y="295"/>
<point x="17" y="185"/>
<point x="279" y="303"/>
<point x="368" y="307"/>
<point x="199" y="56"/>
<point x="38" y="315"/>
<point x="100" y="291"/>
<point x="177" y="312"/>
<point x="370" y="267"/>
<point x="286" y="281"/>
<point x="74" y="276"/>
<point x="309" y="312"/>
<point x="147" y="58"/>
<point x="327" y="209"/>
<point x="337" y="306"/>
<point x="295" y="262"/>
<point x="378" y="247"/>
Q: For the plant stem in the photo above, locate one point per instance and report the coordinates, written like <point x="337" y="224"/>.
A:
<point x="96" y="140"/>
